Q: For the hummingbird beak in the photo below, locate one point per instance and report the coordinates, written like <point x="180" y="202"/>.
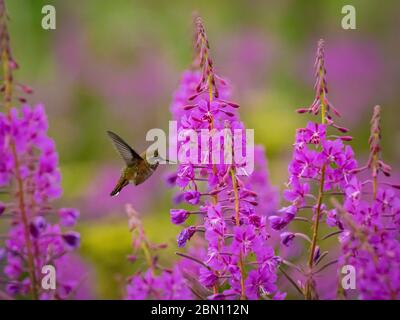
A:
<point x="168" y="161"/>
<point x="156" y="158"/>
<point x="159" y="158"/>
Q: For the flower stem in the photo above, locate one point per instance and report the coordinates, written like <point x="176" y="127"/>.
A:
<point x="241" y="263"/>
<point x="375" y="175"/>
<point x="147" y="255"/>
<point x="20" y="185"/>
<point x="309" y="288"/>
<point x="315" y="230"/>
<point x="211" y="127"/>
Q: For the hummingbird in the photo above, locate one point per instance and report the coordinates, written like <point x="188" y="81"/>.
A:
<point x="138" y="168"/>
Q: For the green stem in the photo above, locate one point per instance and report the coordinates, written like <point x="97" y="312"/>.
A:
<point x="241" y="262"/>
<point x="309" y="289"/>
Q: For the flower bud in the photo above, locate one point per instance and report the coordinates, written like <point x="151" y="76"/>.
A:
<point x="72" y="239"/>
<point x="178" y="216"/>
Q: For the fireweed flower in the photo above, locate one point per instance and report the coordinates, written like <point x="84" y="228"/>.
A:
<point x="68" y="216"/>
<point x="322" y="162"/>
<point x="179" y="216"/>
<point x="29" y="174"/>
<point x="370" y="219"/>
<point x="185" y="235"/>
<point x="239" y="262"/>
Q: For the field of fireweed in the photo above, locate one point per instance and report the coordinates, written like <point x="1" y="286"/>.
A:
<point x="326" y="227"/>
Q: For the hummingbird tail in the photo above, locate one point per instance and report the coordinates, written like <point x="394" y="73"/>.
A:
<point x="121" y="184"/>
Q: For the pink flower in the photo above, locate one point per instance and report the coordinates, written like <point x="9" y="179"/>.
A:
<point x="178" y="216"/>
<point x="68" y="216"/>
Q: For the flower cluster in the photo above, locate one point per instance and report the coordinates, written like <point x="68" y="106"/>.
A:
<point x="30" y="160"/>
<point x="370" y="218"/>
<point x="367" y="224"/>
<point x="239" y="262"/>
<point x="322" y="163"/>
<point x="39" y="234"/>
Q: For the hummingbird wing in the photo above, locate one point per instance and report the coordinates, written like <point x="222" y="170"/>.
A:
<point x="129" y="155"/>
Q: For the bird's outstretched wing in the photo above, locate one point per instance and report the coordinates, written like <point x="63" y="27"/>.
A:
<point x="129" y="155"/>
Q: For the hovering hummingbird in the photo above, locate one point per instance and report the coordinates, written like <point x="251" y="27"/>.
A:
<point x="138" y="168"/>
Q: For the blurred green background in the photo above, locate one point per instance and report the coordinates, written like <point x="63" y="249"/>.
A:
<point x="113" y="65"/>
